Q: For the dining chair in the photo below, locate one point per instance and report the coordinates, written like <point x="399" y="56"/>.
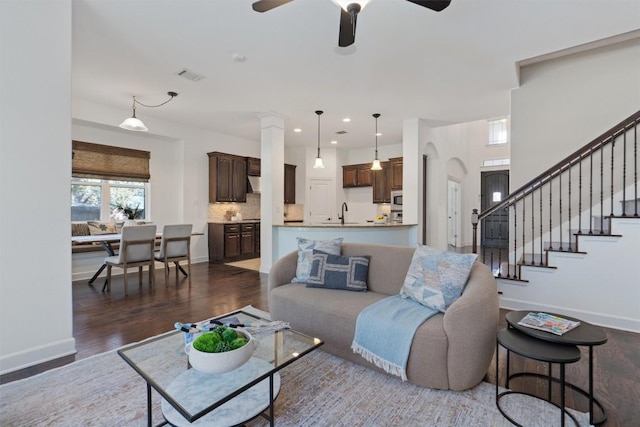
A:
<point x="175" y="247"/>
<point x="137" y="245"/>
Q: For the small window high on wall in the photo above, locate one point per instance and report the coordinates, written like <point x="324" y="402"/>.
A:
<point x="105" y="178"/>
<point x="498" y="131"/>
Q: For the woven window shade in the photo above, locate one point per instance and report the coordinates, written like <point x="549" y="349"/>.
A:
<point x="108" y="162"/>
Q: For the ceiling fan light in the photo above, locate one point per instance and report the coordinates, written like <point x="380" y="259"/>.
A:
<point x="133" y="123"/>
<point x="376" y="166"/>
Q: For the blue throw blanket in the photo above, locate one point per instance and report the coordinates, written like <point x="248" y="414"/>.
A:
<point x="385" y="330"/>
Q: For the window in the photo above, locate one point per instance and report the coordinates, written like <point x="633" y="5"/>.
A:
<point x="98" y="199"/>
<point x="106" y="179"/>
<point x="496" y="162"/>
<point x="498" y="133"/>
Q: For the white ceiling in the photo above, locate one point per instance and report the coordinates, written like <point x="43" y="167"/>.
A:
<point x="407" y="62"/>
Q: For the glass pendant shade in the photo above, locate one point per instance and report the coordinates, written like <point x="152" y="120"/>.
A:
<point x="135" y="124"/>
<point x="318" y="164"/>
<point x="376" y="165"/>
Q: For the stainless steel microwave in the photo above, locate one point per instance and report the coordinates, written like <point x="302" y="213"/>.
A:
<point x="396" y="200"/>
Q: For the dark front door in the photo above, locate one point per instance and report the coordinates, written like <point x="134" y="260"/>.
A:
<point x="495" y="228"/>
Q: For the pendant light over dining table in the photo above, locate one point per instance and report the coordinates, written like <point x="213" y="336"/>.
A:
<point x="375" y="166"/>
<point x="318" y="164"/>
<point x="135" y="124"/>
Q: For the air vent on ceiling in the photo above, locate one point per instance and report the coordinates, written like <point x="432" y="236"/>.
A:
<point x="341" y="132"/>
<point x="187" y="74"/>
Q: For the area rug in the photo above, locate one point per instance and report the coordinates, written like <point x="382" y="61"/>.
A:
<point x="318" y="390"/>
<point x="247" y="264"/>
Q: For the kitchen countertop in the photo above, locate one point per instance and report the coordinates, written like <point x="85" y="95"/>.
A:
<point x="244" y="221"/>
<point x="346" y="225"/>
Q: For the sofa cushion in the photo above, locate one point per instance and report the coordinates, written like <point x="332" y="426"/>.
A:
<point x="329" y="271"/>
<point x="101" y="227"/>
<point x="79" y="228"/>
<point x="305" y="253"/>
<point x="436" y="278"/>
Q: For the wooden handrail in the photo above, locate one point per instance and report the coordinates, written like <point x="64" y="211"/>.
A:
<point x="575" y="157"/>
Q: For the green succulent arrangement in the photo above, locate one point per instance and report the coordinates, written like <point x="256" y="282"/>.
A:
<point x="129" y="212"/>
<point x="219" y="340"/>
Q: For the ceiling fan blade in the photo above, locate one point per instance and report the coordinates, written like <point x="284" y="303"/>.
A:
<point x="266" y="5"/>
<point x="347" y="28"/>
<point x="436" y="5"/>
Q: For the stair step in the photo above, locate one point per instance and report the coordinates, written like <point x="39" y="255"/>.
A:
<point x="567" y="246"/>
<point x="630" y="207"/>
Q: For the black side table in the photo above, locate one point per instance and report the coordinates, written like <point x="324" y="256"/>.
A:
<point x="584" y="335"/>
<point x="543" y="351"/>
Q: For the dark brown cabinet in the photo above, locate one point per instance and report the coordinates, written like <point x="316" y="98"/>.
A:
<point x="227" y="178"/>
<point x="289" y="184"/>
<point x="229" y="242"/>
<point x="396" y="173"/>
<point x="357" y="175"/>
<point x="382" y="184"/>
<point x="253" y="166"/>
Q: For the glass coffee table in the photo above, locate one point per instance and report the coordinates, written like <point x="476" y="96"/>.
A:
<point x="190" y="397"/>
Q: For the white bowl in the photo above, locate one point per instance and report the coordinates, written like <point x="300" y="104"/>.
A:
<point x="216" y="363"/>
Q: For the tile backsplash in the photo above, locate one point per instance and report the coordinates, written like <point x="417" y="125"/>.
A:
<point x="224" y="211"/>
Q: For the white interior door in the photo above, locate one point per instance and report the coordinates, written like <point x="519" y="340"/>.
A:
<point x="453" y="210"/>
<point x="320" y="200"/>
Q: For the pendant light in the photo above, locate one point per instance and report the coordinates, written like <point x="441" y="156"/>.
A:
<point x="318" y="164"/>
<point x="135" y="124"/>
<point x="376" y="162"/>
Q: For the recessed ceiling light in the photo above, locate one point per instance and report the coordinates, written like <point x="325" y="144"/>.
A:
<point x="378" y="134"/>
<point x="346" y="120"/>
<point x="297" y="130"/>
<point x="334" y="142"/>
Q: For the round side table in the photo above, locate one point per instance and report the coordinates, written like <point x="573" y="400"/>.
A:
<point x="543" y="351"/>
<point x="584" y="335"/>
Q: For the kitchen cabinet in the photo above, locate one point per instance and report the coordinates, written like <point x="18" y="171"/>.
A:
<point x="357" y="175"/>
<point x="396" y="173"/>
<point x="253" y="166"/>
<point x="227" y="178"/>
<point x="231" y="242"/>
<point x="289" y="184"/>
<point x="382" y="184"/>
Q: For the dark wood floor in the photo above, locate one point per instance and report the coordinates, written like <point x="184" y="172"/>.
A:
<point x="104" y="322"/>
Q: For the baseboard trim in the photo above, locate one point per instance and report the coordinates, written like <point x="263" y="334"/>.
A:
<point x="37" y="355"/>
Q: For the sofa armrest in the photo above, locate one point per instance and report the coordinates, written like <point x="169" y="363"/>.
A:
<point x="471" y="324"/>
<point x="283" y="271"/>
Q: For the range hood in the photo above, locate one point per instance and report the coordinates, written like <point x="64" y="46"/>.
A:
<point x="253" y="184"/>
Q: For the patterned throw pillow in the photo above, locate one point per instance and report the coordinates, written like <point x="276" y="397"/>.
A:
<point x="79" y="229"/>
<point x="349" y="273"/>
<point x="100" y="227"/>
<point x="436" y="278"/>
<point x="305" y="252"/>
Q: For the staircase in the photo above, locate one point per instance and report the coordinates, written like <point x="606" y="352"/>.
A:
<point x="574" y="235"/>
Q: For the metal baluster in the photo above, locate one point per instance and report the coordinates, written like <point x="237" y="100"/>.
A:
<point x="613" y="145"/>
<point x="591" y="191"/>
<point x="624" y="173"/>
<point x="541" y="251"/>
<point x="533" y="220"/>
<point x="500" y="252"/>
<point x="602" y="187"/>
<point x="580" y="195"/>
<point x="635" y="167"/>
<point x="524" y="210"/>
<point x="570" y="237"/>
<point x="515" y="240"/>
<point x="560" y="206"/>
<point x="550" y="212"/>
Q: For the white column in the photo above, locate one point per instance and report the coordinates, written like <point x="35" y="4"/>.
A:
<point x="413" y="135"/>
<point x="272" y="177"/>
<point x="35" y="169"/>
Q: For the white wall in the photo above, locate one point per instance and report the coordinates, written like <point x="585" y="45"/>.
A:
<point x="563" y="103"/>
<point x="35" y="165"/>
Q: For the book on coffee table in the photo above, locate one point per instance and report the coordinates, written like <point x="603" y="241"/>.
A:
<point x="548" y="323"/>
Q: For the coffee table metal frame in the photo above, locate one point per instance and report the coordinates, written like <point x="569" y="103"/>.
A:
<point x="584" y="335"/>
<point x="303" y="344"/>
<point x="543" y="351"/>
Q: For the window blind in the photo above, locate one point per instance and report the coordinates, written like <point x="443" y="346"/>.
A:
<point x="108" y="162"/>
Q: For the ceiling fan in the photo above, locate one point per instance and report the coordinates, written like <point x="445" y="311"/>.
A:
<point x="349" y="13"/>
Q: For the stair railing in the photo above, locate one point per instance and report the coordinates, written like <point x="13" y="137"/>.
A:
<point x="594" y="176"/>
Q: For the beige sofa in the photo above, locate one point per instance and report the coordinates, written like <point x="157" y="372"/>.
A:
<point x="449" y="351"/>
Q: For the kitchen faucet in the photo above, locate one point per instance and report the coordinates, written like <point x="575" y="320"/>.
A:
<point x="343" y="209"/>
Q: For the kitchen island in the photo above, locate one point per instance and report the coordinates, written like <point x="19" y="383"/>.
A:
<point x="285" y="236"/>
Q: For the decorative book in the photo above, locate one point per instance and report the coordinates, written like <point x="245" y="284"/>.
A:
<point x="548" y="323"/>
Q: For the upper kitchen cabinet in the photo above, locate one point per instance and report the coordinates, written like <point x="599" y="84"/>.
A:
<point x="227" y="178"/>
<point x="253" y="166"/>
<point x="396" y="173"/>
<point x="356" y="175"/>
<point x="289" y="184"/>
<point x="382" y="184"/>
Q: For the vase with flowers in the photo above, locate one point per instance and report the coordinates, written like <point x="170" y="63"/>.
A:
<point x="130" y="214"/>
